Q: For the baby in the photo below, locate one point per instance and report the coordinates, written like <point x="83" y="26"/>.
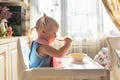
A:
<point x="41" y="52"/>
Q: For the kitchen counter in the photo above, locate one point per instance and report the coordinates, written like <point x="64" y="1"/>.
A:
<point x="10" y="39"/>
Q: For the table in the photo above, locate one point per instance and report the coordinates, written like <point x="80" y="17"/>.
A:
<point x="88" y="69"/>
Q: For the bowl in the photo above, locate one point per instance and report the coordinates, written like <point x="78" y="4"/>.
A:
<point x="77" y="57"/>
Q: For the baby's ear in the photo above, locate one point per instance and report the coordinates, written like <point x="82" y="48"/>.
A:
<point x="43" y="31"/>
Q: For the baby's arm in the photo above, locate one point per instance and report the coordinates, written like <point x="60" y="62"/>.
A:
<point x="47" y="49"/>
<point x="64" y="49"/>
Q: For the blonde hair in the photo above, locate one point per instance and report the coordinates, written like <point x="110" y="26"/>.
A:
<point x="46" y="22"/>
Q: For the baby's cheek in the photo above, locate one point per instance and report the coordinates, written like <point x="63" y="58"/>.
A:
<point x="52" y="39"/>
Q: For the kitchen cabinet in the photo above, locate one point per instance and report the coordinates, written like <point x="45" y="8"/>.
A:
<point x="14" y="0"/>
<point x="3" y="62"/>
<point x="10" y="0"/>
<point x="12" y="60"/>
<point x="24" y="3"/>
<point x="8" y="58"/>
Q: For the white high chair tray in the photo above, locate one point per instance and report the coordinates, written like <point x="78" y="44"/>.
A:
<point x="88" y="69"/>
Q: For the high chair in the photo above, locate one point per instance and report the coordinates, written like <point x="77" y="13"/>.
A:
<point x="71" y="72"/>
<point x="113" y="44"/>
<point x="23" y="53"/>
<point x="24" y="73"/>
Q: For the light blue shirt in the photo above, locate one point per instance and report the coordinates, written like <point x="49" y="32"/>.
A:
<point x="36" y="60"/>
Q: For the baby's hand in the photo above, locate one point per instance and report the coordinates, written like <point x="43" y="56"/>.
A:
<point x="67" y="40"/>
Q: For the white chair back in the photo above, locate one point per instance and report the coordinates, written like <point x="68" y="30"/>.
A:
<point x="23" y="56"/>
<point x="113" y="45"/>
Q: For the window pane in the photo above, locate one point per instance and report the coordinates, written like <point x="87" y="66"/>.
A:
<point x="82" y="20"/>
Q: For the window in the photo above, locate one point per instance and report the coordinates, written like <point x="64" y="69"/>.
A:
<point x="82" y="20"/>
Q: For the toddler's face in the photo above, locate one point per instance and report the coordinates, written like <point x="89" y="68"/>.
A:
<point x="51" y="34"/>
<point x="48" y="30"/>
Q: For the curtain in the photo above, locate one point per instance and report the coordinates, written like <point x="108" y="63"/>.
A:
<point x="81" y="20"/>
<point x="113" y="9"/>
